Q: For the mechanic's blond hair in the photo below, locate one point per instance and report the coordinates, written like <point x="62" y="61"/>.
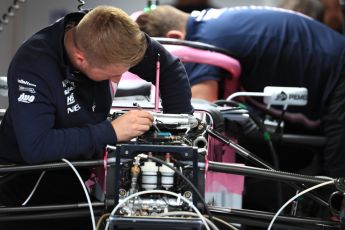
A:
<point x="158" y="22"/>
<point x="107" y="35"/>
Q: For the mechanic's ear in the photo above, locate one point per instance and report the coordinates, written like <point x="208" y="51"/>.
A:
<point x="175" y="34"/>
<point x="79" y="58"/>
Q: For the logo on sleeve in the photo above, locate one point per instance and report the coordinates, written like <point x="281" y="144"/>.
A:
<point x="26" y="98"/>
<point x="21" y="81"/>
<point x="27" y="89"/>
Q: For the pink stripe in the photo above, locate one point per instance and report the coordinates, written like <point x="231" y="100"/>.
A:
<point x="157" y="86"/>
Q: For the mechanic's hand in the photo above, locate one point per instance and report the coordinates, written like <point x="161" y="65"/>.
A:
<point x="132" y="124"/>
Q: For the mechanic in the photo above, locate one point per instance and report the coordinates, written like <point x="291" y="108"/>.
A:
<point x="59" y="92"/>
<point x="60" y="97"/>
<point x="275" y="47"/>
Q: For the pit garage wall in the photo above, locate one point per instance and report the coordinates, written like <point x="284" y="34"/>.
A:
<point x="36" y="14"/>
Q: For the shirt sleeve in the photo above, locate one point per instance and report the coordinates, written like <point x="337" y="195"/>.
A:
<point x="174" y="87"/>
<point x="33" y="109"/>
<point x="198" y="73"/>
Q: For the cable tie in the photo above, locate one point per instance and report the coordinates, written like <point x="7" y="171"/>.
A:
<point x="142" y="155"/>
<point x="178" y="198"/>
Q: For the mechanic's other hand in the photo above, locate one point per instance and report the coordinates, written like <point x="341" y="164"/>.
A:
<point x="132" y="124"/>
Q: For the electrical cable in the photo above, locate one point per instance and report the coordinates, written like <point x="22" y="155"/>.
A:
<point x="296" y="196"/>
<point x="261" y="128"/>
<point x="243" y="216"/>
<point x="184" y="213"/>
<point x="47" y="208"/>
<point x="184" y="177"/>
<point x="4" y="20"/>
<point x="230" y="226"/>
<point x="253" y="94"/>
<point x="159" y="192"/>
<point x="52" y="166"/>
<point x="274" y="155"/>
<point x="248" y="155"/>
<point x="239" y="149"/>
<point x="281" y="119"/>
<point x="50" y="215"/>
<point x="34" y="189"/>
<point x="221" y="102"/>
<point x="100" y="220"/>
<point x="86" y="192"/>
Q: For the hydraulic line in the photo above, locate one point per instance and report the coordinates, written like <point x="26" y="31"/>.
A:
<point x="239" y="149"/>
<point x="248" y="155"/>
<point x="261" y="218"/>
<point x="263" y="173"/>
<point x="49" y="166"/>
<point x="41" y="208"/>
<point x="49" y="215"/>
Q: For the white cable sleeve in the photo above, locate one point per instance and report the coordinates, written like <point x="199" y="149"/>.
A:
<point x="296" y="196"/>
<point x="34" y="189"/>
<point x="85" y="190"/>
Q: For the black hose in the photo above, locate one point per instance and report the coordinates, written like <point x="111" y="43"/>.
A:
<point x="49" y="166"/>
<point x="187" y="180"/>
<point x="56" y="207"/>
<point x="264" y="173"/>
<point x="239" y="149"/>
<point x="50" y="215"/>
<point x="248" y="155"/>
<point x="272" y="175"/>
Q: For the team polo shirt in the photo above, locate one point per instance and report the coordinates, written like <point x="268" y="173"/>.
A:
<point x="57" y="112"/>
<point x="275" y="47"/>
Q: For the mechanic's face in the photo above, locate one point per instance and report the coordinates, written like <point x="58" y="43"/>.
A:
<point x="109" y="72"/>
<point x="333" y="16"/>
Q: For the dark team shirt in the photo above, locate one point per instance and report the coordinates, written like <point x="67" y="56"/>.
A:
<point x="275" y="47"/>
<point x="57" y="112"/>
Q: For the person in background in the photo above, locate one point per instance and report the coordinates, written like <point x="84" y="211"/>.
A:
<point x="189" y="5"/>
<point x="328" y="12"/>
<point x="312" y="8"/>
<point x="333" y="16"/>
<point x="275" y="47"/>
<point x="60" y="96"/>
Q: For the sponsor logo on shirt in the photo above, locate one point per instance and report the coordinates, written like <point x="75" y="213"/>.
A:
<point x="21" y="81"/>
<point x="26" y="98"/>
<point x="209" y="14"/>
<point x="70" y="99"/>
<point x="68" y="88"/>
<point x="68" y="83"/>
<point x="27" y="89"/>
<point x="73" y="108"/>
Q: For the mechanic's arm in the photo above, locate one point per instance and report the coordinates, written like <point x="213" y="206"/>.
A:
<point x="175" y="90"/>
<point x="34" y="120"/>
<point x="207" y="90"/>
